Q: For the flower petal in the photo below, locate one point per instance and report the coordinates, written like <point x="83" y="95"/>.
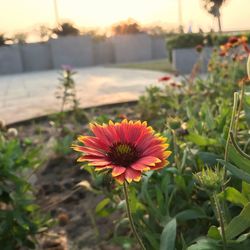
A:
<point x="140" y="167"/>
<point x="132" y="174"/>
<point x="120" y="178"/>
<point x="118" y="170"/>
<point x="100" y="168"/>
<point x="148" y="160"/>
<point x="88" y="150"/>
<point x="94" y="142"/>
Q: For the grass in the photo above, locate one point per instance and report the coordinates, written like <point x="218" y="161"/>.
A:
<point x="162" y="65"/>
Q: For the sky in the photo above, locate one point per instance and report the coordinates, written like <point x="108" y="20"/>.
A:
<point x="24" y="15"/>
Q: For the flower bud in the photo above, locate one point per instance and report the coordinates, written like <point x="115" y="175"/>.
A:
<point x="210" y="180"/>
<point x="12" y="132"/>
<point x="174" y="122"/>
<point x="2" y="124"/>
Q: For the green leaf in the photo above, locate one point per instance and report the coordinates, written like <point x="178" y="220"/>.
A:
<point x="133" y="200"/>
<point x="236" y="171"/>
<point x="246" y="190"/>
<point x="209" y="117"/>
<point x="206" y="244"/>
<point x="168" y="235"/>
<point x="148" y="198"/>
<point x="191" y="214"/>
<point x="239" y="223"/>
<point x="180" y="182"/>
<point x="239" y="160"/>
<point x="208" y="158"/>
<point x="152" y="238"/>
<point x="201" y="140"/>
<point x="234" y="196"/>
<point x="248" y="67"/>
<point x="247" y="107"/>
<point x="214" y="233"/>
<point x="100" y="208"/>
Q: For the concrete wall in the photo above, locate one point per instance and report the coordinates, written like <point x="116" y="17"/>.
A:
<point x="103" y="52"/>
<point x="73" y="50"/>
<point x="80" y="51"/>
<point x="132" y="48"/>
<point x="159" y="50"/>
<point x="36" y="57"/>
<point x="10" y="60"/>
<point x="184" y="59"/>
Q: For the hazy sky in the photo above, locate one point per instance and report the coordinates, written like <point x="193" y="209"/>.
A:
<point x="22" y="15"/>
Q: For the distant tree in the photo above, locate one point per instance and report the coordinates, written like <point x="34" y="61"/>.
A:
<point x="156" y="30"/>
<point x="19" y="38"/>
<point x="66" y="29"/>
<point x="2" y="39"/>
<point x="213" y="7"/>
<point x="45" y="32"/>
<point x="126" y="27"/>
<point x="94" y="33"/>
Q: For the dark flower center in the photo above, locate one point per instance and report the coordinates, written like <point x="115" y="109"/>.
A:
<point x="123" y="154"/>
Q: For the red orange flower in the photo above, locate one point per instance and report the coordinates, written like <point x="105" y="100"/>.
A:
<point x="164" y="79"/>
<point x="127" y="149"/>
<point x="233" y="40"/>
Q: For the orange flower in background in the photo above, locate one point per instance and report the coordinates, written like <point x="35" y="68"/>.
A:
<point x="127" y="149"/>
<point x="243" y="39"/>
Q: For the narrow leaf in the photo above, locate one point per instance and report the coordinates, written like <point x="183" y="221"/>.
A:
<point x="168" y="236"/>
<point x="239" y="223"/>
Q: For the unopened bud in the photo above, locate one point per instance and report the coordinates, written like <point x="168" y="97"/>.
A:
<point x="2" y="124"/>
<point x="174" y="122"/>
<point x="12" y="132"/>
<point x="210" y="180"/>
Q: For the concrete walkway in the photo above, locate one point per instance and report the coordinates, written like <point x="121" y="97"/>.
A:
<point x="25" y="96"/>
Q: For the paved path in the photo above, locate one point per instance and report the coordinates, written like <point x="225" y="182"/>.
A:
<point x="25" y="96"/>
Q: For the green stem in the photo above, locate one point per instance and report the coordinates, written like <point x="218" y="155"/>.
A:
<point x="232" y="124"/>
<point x="240" y="106"/>
<point x="176" y="159"/>
<point x="125" y="189"/>
<point x="230" y="129"/>
<point x="221" y="220"/>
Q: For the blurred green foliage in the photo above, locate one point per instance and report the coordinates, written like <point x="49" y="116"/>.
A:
<point x="191" y="40"/>
<point x="20" y="217"/>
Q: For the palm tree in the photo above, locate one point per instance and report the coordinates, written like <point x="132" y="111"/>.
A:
<point x="213" y="7"/>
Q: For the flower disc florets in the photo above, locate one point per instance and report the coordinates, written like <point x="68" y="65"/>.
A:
<point x="127" y="149"/>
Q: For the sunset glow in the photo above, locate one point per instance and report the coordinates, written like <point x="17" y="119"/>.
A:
<point x="19" y="15"/>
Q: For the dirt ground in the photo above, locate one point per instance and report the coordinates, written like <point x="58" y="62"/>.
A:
<point x="72" y="208"/>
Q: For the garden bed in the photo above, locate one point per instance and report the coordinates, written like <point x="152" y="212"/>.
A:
<point x="197" y="200"/>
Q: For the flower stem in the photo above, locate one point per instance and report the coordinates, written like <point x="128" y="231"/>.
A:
<point x="240" y="106"/>
<point x="125" y="189"/>
<point x="221" y="219"/>
<point x="230" y="129"/>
